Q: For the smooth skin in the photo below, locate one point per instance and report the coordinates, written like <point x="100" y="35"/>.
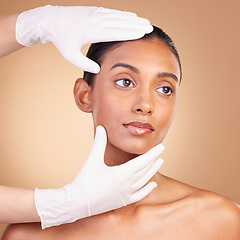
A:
<point x="172" y="211"/>
<point x="8" y="40"/>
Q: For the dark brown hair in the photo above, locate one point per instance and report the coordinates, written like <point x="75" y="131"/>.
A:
<point x="97" y="51"/>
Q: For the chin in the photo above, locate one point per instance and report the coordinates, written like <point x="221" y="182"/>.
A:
<point x="136" y="148"/>
<point x="139" y="151"/>
<point x="135" y="145"/>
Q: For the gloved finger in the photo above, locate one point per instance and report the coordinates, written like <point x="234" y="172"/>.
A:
<point x="119" y="35"/>
<point x="143" y="171"/>
<point x="128" y="18"/>
<point x="109" y="29"/>
<point x="145" y="177"/>
<point x="99" y="144"/>
<point x="114" y="11"/>
<point x="79" y="60"/>
<point x="123" y="24"/>
<point x="143" y="192"/>
<point x="142" y="161"/>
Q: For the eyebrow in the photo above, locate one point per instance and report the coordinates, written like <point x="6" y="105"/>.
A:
<point x="169" y="75"/>
<point x="134" y="69"/>
<point x="125" y="66"/>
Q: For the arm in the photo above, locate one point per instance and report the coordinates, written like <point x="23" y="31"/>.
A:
<point x="8" y="42"/>
<point x="28" y="231"/>
<point x="17" y="205"/>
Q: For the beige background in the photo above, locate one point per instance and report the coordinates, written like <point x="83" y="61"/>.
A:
<point x="44" y="137"/>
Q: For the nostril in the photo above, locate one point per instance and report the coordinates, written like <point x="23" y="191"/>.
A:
<point x="139" y="110"/>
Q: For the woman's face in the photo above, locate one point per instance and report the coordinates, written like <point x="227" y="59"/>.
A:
<point x="135" y="94"/>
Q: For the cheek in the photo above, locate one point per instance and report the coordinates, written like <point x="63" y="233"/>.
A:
<point x="107" y="109"/>
<point x="164" y="120"/>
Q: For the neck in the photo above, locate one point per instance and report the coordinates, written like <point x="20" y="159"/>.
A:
<point x="113" y="157"/>
<point x="152" y="199"/>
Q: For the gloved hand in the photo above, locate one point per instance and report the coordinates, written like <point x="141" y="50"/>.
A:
<point x="99" y="188"/>
<point x="70" y="28"/>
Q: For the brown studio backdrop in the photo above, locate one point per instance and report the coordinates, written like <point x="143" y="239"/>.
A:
<point x="45" y="138"/>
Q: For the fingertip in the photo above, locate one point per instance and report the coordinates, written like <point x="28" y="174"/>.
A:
<point x="149" y="29"/>
<point x="86" y="64"/>
<point x="100" y="142"/>
<point x="157" y="150"/>
<point x="161" y="147"/>
<point x="158" y="164"/>
<point x="161" y="162"/>
<point x="152" y="185"/>
<point x="92" y="68"/>
<point x="100" y="130"/>
<point x="143" y="192"/>
<point x="95" y="69"/>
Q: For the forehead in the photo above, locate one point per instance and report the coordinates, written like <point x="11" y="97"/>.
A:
<point x="152" y="55"/>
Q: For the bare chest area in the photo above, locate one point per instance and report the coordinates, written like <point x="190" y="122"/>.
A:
<point x="151" y="225"/>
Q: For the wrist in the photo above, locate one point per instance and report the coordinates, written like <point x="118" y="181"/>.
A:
<point x="31" y="26"/>
<point x="57" y="206"/>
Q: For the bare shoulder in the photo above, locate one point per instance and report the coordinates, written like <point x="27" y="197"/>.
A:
<point x="215" y="216"/>
<point x="219" y="215"/>
<point x="26" y="231"/>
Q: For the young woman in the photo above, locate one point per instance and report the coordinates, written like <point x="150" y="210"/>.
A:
<point x="134" y="97"/>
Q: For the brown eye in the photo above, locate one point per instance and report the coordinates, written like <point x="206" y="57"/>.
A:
<point x="124" y="83"/>
<point x="165" y="90"/>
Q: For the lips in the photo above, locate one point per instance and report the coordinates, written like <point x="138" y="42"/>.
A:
<point x="139" y="128"/>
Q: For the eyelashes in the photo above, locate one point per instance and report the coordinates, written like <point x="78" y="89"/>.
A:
<point x="168" y="91"/>
<point x="124" y="82"/>
<point x="127" y="83"/>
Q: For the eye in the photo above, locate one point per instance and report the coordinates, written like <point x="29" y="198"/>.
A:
<point x="124" y="83"/>
<point x="165" y="90"/>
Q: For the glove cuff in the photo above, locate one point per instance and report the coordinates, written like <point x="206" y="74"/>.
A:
<point x="38" y="210"/>
<point x="56" y="207"/>
<point x="31" y="27"/>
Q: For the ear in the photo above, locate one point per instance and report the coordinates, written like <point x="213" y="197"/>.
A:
<point x="82" y="94"/>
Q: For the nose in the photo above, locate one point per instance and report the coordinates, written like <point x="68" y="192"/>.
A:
<point x="143" y="103"/>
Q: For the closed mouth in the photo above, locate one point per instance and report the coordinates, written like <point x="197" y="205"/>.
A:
<point x="139" y="128"/>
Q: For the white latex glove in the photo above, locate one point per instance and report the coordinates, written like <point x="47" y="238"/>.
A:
<point x="70" y="28"/>
<point x="99" y="188"/>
